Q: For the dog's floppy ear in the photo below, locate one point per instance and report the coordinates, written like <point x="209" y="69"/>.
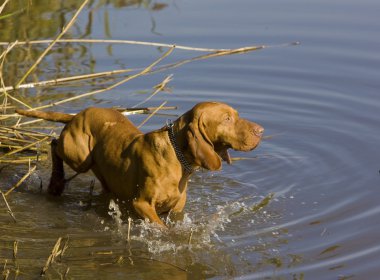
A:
<point x="201" y="147"/>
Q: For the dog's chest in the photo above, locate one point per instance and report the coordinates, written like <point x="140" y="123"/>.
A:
<point x="167" y="204"/>
<point x="169" y="199"/>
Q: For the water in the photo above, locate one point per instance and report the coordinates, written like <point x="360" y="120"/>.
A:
<point x="318" y="100"/>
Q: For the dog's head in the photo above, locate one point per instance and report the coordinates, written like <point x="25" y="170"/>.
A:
<point x="213" y="128"/>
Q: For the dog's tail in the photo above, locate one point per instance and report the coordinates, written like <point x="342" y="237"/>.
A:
<point x="49" y="116"/>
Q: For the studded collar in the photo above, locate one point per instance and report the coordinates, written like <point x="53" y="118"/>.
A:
<point x="188" y="168"/>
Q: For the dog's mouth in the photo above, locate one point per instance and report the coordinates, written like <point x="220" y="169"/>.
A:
<point x="222" y="150"/>
<point x="224" y="154"/>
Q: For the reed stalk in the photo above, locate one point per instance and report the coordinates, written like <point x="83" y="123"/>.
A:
<point x="53" y="255"/>
<point x="160" y="87"/>
<point x="151" y="115"/>
<point x="66" y="273"/>
<point x="129" y="229"/>
<point x="55" y="82"/>
<point x="10" y="46"/>
<point x="31" y="170"/>
<point x="64" y="247"/>
<point x="15" y="250"/>
<point x="3" y="5"/>
<point x="8" y="207"/>
<point x="141" y="73"/>
<point x="26" y="132"/>
<point x="13" y="147"/>
<point x="207" y="56"/>
<point x="110" y="41"/>
<point x="24" y="148"/>
<point x="22" y="160"/>
<point x="6" y="271"/>
<point x="5" y="138"/>
<point x="215" y="53"/>
<point x="190" y="237"/>
<point x="2" y="84"/>
<point x="15" y="262"/>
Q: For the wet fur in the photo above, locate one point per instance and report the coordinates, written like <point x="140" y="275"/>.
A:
<point x="143" y="169"/>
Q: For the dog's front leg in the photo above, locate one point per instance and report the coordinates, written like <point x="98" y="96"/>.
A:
<point x="176" y="213"/>
<point x="146" y="210"/>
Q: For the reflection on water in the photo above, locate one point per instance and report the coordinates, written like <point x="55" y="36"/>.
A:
<point x="38" y="20"/>
<point x="318" y="101"/>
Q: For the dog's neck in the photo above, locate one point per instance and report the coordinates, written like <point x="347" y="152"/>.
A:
<point x="187" y="167"/>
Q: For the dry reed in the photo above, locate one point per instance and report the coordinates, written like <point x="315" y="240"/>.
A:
<point x="129" y="229"/>
<point x="129" y="78"/>
<point x="31" y="170"/>
<point x="6" y="271"/>
<point x="56" y="252"/>
<point x="128" y="42"/>
<point x="9" y="210"/>
<point x="211" y="54"/>
<point x="151" y="115"/>
<point x="3" y="5"/>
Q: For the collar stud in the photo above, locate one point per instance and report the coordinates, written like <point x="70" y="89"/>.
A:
<point x="188" y="168"/>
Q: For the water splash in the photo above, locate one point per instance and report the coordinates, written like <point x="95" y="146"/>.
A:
<point x="188" y="234"/>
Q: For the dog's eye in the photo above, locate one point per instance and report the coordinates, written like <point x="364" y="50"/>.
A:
<point x="228" y="118"/>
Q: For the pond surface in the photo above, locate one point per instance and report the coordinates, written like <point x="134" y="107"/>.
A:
<point x="319" y="101"/>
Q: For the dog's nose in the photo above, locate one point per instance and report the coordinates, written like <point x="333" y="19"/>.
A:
<point x="259" y="130"/>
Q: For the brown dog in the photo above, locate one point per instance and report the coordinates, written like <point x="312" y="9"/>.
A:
<point x="148" y="170"/>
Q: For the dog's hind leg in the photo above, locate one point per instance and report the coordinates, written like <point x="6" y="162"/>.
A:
<point x="57" y="180"/>
<point x="101" y="179"/>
